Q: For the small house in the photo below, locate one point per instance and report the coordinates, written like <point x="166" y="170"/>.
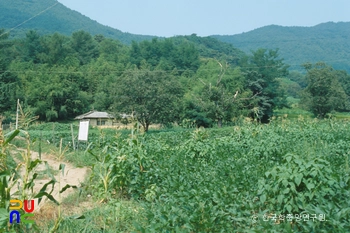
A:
<point x="97" y="118"/>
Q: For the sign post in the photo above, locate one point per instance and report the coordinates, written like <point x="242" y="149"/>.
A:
<point x="83" y="131"/>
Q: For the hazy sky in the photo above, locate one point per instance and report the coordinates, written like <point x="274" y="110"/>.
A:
<point x="208" y="17"/>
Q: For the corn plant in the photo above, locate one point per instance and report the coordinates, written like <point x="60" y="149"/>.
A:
<point x="23" y="182"/>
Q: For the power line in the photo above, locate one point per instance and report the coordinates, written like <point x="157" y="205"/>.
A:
<point x="29" y="19"/>
<point x="144" y="71"/>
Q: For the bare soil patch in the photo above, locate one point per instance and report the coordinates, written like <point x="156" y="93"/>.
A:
<point x="71" y="176"/>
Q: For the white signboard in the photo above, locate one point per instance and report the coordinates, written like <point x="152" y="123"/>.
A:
<point x="83" y="131"/>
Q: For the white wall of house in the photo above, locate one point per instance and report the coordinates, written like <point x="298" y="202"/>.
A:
<point x="101" y="122"/>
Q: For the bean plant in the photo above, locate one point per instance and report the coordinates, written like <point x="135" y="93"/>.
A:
<point x="234" y="179"/>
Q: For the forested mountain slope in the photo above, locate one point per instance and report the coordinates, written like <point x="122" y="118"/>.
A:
<point x="209" y="47"/>
<point x="329" y="42"/>
<point x="58" y="18"/>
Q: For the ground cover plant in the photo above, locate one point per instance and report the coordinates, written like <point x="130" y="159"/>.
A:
<point x="285" y="176"/>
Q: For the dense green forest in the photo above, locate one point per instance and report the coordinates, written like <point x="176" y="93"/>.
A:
<point x="175" y="80"/>
<point x="329" y="42"/>
<point x="50" y="16"/>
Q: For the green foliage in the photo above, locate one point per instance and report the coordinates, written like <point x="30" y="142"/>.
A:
<point x="219" y="180"/>
<point x="216" y="180"/>
<point x="289" y="87"/>
<point x="297" y="45"/>
<point x="165" y="55"/>
<point x="324" y="92"/>
<point x="344" y="81"/>
<point x="152" y="96"/>
<point x="84" y="46"/>
<point x="212" y="48"/>
<point x="57" y="77"/>
<point x="8" y="81"/>
<point x="54" y="96"/>
<point x="262" y="70"/>
<point x="19" y="178"/>
<point x="10" y="176"/>
<point x="217" y="96"/>
<point x="300" y="184"/>
<point x="117" y="216"/>
<point x="298" y="78"/>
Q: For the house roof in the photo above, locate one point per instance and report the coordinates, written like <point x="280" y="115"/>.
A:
<point x="94" y="115"/>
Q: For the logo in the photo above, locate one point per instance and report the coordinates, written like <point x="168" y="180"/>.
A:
<point x="16" y="205"/>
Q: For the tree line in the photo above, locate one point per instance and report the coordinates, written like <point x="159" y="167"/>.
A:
<point x="186" y="78"/>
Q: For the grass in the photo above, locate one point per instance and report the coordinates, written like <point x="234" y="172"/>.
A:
<point x="80" y="158"/>
<point x="343" y="115"/>
<point x="293" y="113"/>
<point x="116" y="216"/>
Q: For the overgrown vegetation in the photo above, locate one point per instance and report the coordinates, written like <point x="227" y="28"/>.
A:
<point x="220" y="180"/>
<point x="245" y="178"/>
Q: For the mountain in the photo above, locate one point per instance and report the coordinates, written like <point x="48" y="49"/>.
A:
<point x="49" y="16"/>
<point x="328" y="42"/>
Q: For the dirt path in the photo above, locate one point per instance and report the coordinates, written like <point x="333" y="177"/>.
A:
<point x="71" y="176"/>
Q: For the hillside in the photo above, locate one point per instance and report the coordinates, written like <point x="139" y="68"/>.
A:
<point x="61" y="19"/>
<point x="329" y="42"/>
<point x="57" y="19"/>
<point x="209" y="47"/>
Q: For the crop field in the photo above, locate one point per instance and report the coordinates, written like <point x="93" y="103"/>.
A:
<point x="286" y="176"/>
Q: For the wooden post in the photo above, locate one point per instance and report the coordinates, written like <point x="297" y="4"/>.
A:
<point x="53" y="133"/>
<point x="41" y="136"/>
<point x="71" y="128"/>
<point x="1" y="136"/>
<point x="17" y="113"/>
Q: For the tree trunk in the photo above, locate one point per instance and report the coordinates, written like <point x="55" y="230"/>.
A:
<point x="146" y="127"/>
<point x="220" y="123"/>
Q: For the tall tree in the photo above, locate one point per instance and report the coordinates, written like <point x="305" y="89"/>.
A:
<point x="221" y="94"/>
<point x="344" y="79"/>
<point x="84" y="46"/>
<point x="165" y="55"/>
<point x="55" y="49"/>
<point x="33" y="47"/>
<point x="262" y="70"/>
<point x="323" y="93"/>
<point x="8" y="80"/>
<point x="56" y="92"/>
<point x="218" y="95"/>
<point x="152" y="96"/>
